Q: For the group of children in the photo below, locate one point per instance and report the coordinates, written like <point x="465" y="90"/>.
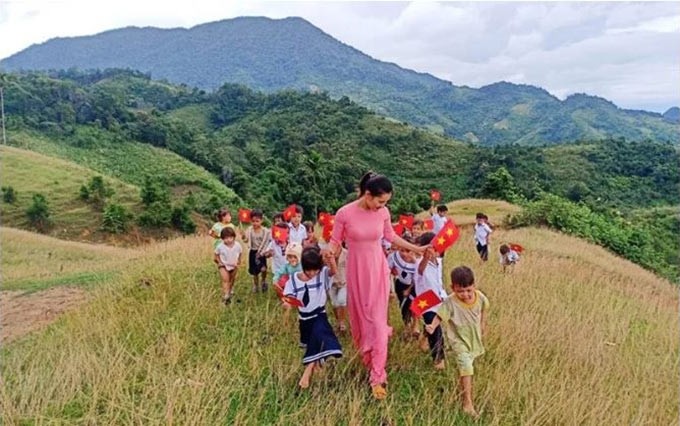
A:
<point x="303" y="274"/>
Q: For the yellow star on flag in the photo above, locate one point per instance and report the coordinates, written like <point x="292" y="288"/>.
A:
<point x="423" y="304"/>
<point x="449" y="232"/>
<point x="277" y="234"/>
<point x="441" y="241"/>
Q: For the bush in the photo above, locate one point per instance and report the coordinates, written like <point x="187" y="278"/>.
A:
<point x="9" y="195"/>
<point x="635" y="241"/>
<point x="39" y="213"/>
<point x="157" y="215"/>
<point x="181" y="219"/>
<point x="116" y="218"/>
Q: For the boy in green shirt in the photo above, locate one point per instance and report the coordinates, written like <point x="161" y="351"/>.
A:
<point x="463" y="314"/>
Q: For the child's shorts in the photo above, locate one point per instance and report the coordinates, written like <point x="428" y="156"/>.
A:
<point x="338" y="295"/>
<point x="256" y="263"/>
<point x="464" y="363"/>
<point x="483" y="251"/>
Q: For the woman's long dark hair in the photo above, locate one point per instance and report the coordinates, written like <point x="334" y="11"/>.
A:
<point x="375" y="184"/>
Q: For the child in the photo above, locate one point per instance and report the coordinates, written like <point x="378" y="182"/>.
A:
<point x="310" y="287"/>
<point x="464" y="315"/>
<point x="297" y="233"/>
<point x="276" y="250"/>
<point x="417" y="229"/>
<point x="440" y="217"/>
<point x="228" y="259"/>
<point x="223" y="219"/>
<point x="428" y="277"/>
<point x="292" y="262"/>
<point x="509" y="257"/>
<point x="482" y="233"/>
<point x="402" y="265"/>
<point x="311" y="239"/>
<point x="338" y="291"/>
<point x="278" y="219"/>
<point x="257" y="237"/>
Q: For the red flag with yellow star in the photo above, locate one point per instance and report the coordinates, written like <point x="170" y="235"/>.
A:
<point x="289" y="212"/>
<point x="327" y="232"/>
<point x="293" y="301"/>
<point x="398" y="229"/>
<point x="516" y="247"/>
<point x="323" y="218"/>
<point x="446" y="237"/>
<point x="423" y="302"/>
<point x="428" y="224"/>
<point x="280" y="235"/>
<point x="406" y="221"/>
<point x="244" y="215"/>
<point x="280" y="285"/>
<point x="435" y="195"/>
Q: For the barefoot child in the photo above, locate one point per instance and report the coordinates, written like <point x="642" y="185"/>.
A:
<point x="310" y="287"/>
<point x="428" y="277"/>
<point x="464" y="316"/>
<point x="228" y="259"/>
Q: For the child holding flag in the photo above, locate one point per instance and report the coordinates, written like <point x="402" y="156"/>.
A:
<point x="464" y="315"/>
<point x="428" y="277"/>
<point x="402" y="266"/>
<point x="509" y="257"/>
<point x="307" y="289"/>
<point x="277" y="247"/>
<point x="297" y="233"/>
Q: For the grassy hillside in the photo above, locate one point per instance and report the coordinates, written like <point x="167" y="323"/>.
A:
<point x="576" y="336"/>
<point x="33" y="262"/>
<point x="29" y="173"/>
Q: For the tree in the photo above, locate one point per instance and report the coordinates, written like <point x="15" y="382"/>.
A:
<point x="39" y="213"/>
<point x="500" y="185"/>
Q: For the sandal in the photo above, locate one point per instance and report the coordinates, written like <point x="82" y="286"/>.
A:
<point x="379" y="392"/>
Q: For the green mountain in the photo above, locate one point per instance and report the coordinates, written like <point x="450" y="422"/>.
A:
<point x="271" y="55"/>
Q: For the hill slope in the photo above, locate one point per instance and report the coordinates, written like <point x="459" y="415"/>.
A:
<point x="271" y="55"/>
<point x="587" y="346"/>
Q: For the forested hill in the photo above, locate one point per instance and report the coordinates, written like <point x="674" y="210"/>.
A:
<point x="274" y="149"/>
<point x="271" y="55"/>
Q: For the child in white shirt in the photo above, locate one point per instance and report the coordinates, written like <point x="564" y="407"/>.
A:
<point x="228" y="259"/>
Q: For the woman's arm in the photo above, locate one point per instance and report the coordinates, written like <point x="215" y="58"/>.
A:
<point x="396" y="239"/>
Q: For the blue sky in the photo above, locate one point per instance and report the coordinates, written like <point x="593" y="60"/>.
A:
<point x="627" y="52"/>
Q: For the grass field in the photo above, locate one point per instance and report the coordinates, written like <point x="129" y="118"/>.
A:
<point x="575" y="336"/>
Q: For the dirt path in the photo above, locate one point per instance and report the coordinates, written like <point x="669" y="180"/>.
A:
<point x="21" y="313"/>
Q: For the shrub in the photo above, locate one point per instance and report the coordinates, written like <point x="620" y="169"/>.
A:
<point x="116" y="218"/>
<point x="39" y="213"/>
<point x="9" y="195"/>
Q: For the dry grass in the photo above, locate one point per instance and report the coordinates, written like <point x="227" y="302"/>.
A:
<point x="576" y="336"/>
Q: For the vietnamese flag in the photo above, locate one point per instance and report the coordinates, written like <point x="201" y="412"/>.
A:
<point x="280" y="235"/>
<point x="323" y="218"/>
<point x="516" y="247"/>
<point x="446" y="237"/>
<point x="423" y="302"/>
<point x="244" y="215"/>
<point x="406" y="221"/>
<point x="398" y="229"/>
<point x="289" y="212"/>
<point x="293" y="301"/>
<point x="327" y="232"/>
<point x="280" y="285"/>
<point x="428" y="224"/>
<point x="435" y="195"/>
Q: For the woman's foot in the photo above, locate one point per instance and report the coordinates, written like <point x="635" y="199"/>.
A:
<point x="379" y="392"/>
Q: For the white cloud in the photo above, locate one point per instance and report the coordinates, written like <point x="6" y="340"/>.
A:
<point x="625" y="52"/>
